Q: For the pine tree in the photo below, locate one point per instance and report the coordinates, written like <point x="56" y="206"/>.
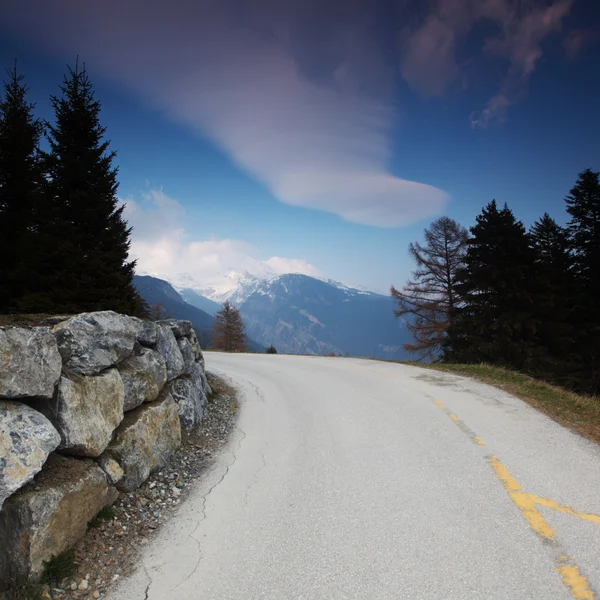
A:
<point x="89" y="262"/>
<point x="583" y="204"/>
<point x="21" y="184"/>
<point x="271" y="349"/>
<point x="496" y="322"/>
<point x="228" y="330"/>
<point x="431" y="296"/>
<point x="554" y="302"/>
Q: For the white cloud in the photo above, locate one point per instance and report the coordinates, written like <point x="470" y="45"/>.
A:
<point x="299" y="96"/>
<point x="163" y="248"/>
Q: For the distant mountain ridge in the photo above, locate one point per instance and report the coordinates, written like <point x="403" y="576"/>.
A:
<point x="302" y="314"/>
<point x="154" y="290"/>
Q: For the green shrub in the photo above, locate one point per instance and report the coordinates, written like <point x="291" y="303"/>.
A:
<point x="106" y="513"/>
<point x="59" y="567"/>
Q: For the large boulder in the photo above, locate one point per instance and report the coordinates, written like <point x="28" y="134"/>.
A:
<point x="50" y="514"/>
<point x="187" y="352"/>
<point x="198" y="356"/>
<point x="179" y="328"/>
<point x="26" y="440"/>
<point x="92" y="342"/>
<point x="86" y="411"/>
<point x="167" y="347"/>
<point x="190" y="401"/>
<point x="144" y="375"/>
<point x="145" y="440"/>
<point x="29" y="362"/>
<point x="200" y="380"/>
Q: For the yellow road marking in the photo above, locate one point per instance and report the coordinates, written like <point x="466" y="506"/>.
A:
<point x="546" y="503"/>
<point x="572" y="578"/>
<point x="532" y="515"/>
<point x="503" y="475"/>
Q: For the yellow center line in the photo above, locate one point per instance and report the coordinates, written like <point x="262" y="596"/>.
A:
<point x="572" y="578"/>
<point x="506" y="479"/>
<point x="532" y="515"/>
<point x="546" y="503"/>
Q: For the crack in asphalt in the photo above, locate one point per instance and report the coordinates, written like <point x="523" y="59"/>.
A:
<point x="203" y="511"/>
<point x="255" y="476"/>
<point x="147" y="591"/>
<point x="241" y="401"/>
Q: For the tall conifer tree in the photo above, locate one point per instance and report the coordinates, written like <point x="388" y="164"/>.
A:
<point x="583" y="204"/>
<point x="496" y="322"/>
<point x="21" y="183"/>
<point x="554" y="302"/>
<point x="90" y="263"/>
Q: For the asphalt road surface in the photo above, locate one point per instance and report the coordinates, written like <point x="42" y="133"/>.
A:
<point x="351" y="478"/>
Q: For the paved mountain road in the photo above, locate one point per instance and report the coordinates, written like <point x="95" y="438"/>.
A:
<point x="357" y="479"/>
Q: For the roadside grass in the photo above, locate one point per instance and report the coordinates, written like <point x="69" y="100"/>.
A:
<point x="578" y="412"/>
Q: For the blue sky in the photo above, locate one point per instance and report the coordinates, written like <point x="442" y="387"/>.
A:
<point x="322" y="137"/>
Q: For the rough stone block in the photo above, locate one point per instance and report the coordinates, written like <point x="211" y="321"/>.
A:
<point x="30" y="363"/>
<point x="26" y="439"/>
<point x="145" y="440"/>
<point x="50" y="514"/>
<point x="143" y="375"/>
<point x="86" y="411"/>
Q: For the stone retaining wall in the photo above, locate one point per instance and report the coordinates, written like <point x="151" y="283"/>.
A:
<point x="89" y="405"/>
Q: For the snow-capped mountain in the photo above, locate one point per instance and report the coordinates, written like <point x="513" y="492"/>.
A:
<point x="302" y="314"/>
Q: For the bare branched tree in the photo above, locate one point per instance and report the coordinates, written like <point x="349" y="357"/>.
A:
<point x="158" y="312"/>
<point x="429" y="298"/>
<point x="229" y="333"/>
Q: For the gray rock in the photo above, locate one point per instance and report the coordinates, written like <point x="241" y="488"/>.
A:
<point x="111" y="467"/>
<point x="190" y="401"/>
<point x="86" y="411"/>
<point x="198" y="356"/>
<point x="92" y="342"/>
<point x="166" y="346"/>
<point x="145" y="440"/>
<point x="26" y="440"/>
<point x="147" y="331"/>
<point x="179" y="328"/>
<point x="50" y="515"/>
<point x="30" y="363"/>
<point x="143" y="376"/>
<point x="187" y="352"/>
<point x="200" y="380"/>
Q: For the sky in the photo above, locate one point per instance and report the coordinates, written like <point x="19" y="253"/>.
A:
<point x="321" y="137"/>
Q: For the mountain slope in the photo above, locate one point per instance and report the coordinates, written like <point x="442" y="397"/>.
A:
<point x="301" y="314"/>
<point x="202" y="302"/>
<point x="155" y="290"/>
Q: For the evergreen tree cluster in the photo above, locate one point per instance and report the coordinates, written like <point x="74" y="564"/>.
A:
<point x="63" y="239"/>
<point x="530" y="300"/>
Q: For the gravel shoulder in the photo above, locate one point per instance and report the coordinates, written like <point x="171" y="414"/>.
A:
<point x="111" y="547"/>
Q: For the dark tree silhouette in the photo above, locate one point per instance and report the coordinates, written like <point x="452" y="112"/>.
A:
<point x="88" y="262"/>
<point x="583" y="205"/>
<point x="21" y="189"/>
<point x="496" y="321"/>
<point x="428" y="300"/>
